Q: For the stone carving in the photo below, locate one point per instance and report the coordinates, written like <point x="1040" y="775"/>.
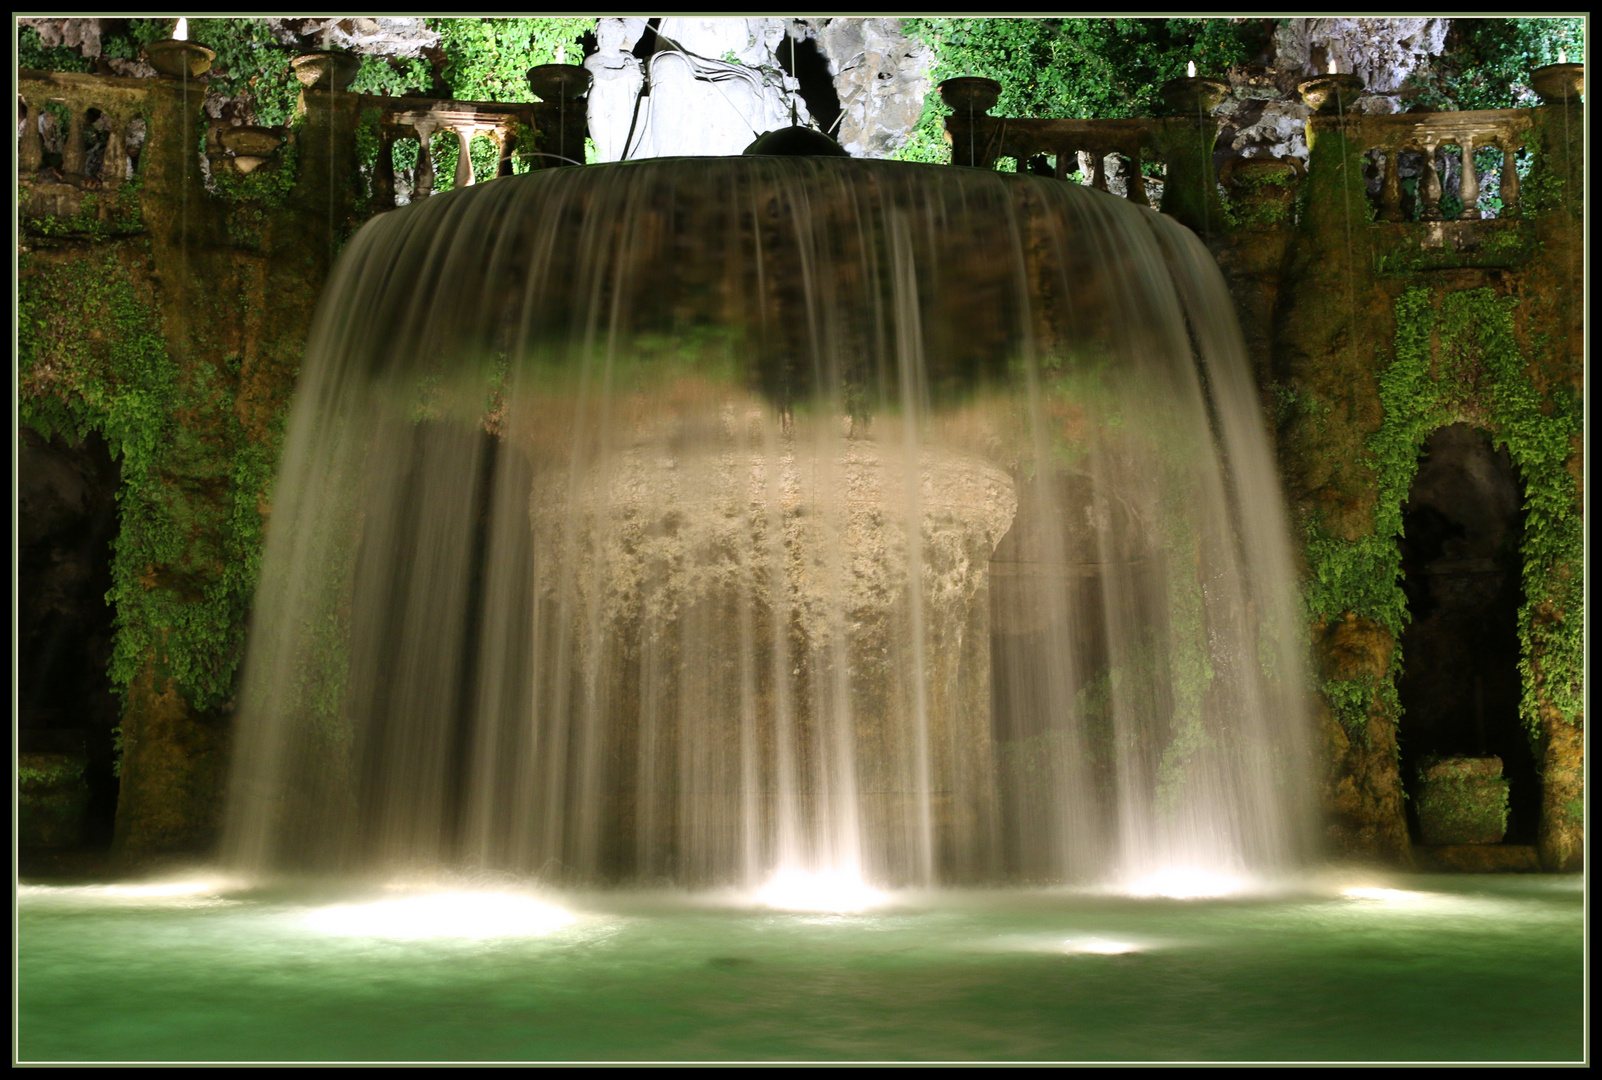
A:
<point x="402" y="38"/>
<point x="80" y="34"/>
<point x="715" y="84"/>
<point x="618" y="76"/>
<point x="1265" y="118"/>
<point x="881" y="76"/>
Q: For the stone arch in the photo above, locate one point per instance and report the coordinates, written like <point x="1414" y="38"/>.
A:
<point x="1460" y="685"/>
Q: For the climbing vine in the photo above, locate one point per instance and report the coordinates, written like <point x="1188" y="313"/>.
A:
<point x="92" y="357"/>
<point x="1455" y="358"/>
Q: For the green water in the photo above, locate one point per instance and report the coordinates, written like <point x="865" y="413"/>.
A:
<point x="1436" y="968"/>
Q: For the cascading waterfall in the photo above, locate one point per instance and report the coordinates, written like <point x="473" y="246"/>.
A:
<point x="705" y="520"/>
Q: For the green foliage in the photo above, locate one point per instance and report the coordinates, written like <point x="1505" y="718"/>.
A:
<point x="92" y="357"/>
<point x="1085" y="68"/>
<point x="488" y="59"/>
<point x="392" y="77"/>
<point x="1453" y="355"/>
<point x="250" y="65"/>
<point x="1456" y="805"/>
<point x="1074" y="68"/>
<point x="1487" y="63"/>
<point x="1477" y="329"/>
<point x="269" y="184"/>
<point x="34" y="55"/>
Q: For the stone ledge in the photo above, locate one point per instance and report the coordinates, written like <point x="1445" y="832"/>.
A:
<point x="1405" y="248"/>
<point x="1478" y="858"/>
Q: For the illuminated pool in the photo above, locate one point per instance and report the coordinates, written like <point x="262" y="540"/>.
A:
<point x="1402" y="968"/>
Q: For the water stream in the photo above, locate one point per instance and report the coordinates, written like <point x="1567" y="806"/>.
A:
<point x="844" y="524"/>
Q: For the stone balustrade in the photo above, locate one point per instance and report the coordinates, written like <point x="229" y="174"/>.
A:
<point x="424" y="118"/>
<point x="1110" y="154"/>
<point x="1413" y="144"/>
<point x="101" y="123"/>
<point x="1388" y="138"/>
<point x="1069" y="142"/>
<point x="113" y="105"/>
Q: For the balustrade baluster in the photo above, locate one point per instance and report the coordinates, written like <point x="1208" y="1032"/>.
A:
<point x="72" y="151"/>
<point x="30" y="155"/>
<point x="1468" y="185"/>
<point x="423" y="172"/>
<point x="505" y="143"/>
<point x="1391" y="186"/>
<point x="1509" y="180"/>
<point x="384" y="173"/>
<point x="1431" y="187"/>
<point x="1137" y="182"/>
<point x="464" y="160"/>
<point x="114" y="164"/>
<point x="1098" y="174"/>
<point x="1060" y="169"/>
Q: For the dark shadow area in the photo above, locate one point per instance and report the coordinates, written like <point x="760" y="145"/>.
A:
<point x="804" y="61"/>
<point x="1460" y="687"/>
<point x="646" y="46"/>
<point x="67" y="710"/>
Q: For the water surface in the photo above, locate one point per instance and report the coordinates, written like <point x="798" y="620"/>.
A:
<point x="1419" y="968"/>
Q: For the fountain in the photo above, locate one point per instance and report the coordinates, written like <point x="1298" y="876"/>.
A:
<point x="775" y="520"/>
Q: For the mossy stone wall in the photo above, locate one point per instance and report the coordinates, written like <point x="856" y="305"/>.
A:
<point x="170" y="318"/>
<point x="177" y="335"/>
<point x="1366" y="341"/>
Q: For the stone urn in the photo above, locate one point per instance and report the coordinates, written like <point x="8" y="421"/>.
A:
<point x="559" y="82"/>
<point x="1262" y="189"/>
<point x="1462" y="801"/>
<point x="1193" y="96"/>
<point x="1331" y="94"/>
<point x="178" y="59"/>
<point x="970" y="94"/>
<point x="326" y="70"/>
<point x="1559" y="84"/>
<point x="251" y="146"/>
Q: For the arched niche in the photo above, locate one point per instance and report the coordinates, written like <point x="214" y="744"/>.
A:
<point x="1460" y="684"/>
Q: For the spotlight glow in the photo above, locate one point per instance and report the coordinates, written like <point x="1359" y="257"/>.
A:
<point x="1389" y="896"/>
<point x="1099" y="946"/>
<point x="1190" y="70"/>
<point x="181" y="31"/>
<point x="796" y="890"/>
<point x="165" y="888"/>
<point x="155" y="889"/>
<point x="1185" y="883"/>
<point x="443" y="915"/>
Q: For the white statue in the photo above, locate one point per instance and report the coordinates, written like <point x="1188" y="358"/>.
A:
<point x="715" y="84"/>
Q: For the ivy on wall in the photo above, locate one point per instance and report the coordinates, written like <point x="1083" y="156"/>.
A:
<point x="91" y="356"/>
<point x="1456" y="357"/>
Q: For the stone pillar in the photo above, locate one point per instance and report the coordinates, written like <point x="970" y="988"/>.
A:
<point x="30" y="154"/>
<point x="1468" y="184"/>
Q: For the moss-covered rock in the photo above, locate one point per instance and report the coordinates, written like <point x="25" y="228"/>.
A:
<point x="1462" y="801"/>
<point x="52" y="799"/>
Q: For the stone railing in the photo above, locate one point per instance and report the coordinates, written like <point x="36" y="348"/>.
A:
<point x="1113" y="155"/>
<point x="1424" y="137"/>
<point x="101" y="128"/>
<point x="1110" y="155"/>
<point x="424" y="118"/>
<point x="1085" y="145"/>
<point x="94" y="105"/>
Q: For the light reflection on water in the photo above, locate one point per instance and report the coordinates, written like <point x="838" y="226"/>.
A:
<point x="1373" y="969"/>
